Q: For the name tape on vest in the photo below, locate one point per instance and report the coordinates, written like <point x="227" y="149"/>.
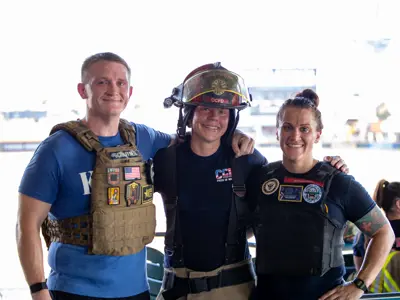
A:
<point x="123" y="154"/>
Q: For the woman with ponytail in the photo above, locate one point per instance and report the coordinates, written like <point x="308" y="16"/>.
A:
<point x="386" y="196"/>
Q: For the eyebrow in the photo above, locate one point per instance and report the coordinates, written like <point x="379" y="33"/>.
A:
<point x="288" y="123"/>
<point x="106" y="78"/>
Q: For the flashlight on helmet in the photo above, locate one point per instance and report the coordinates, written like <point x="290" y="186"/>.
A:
<point x="174" y="99"/>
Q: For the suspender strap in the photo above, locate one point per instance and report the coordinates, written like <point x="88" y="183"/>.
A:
<point x="173" y="236"/>
<point x="239" y="212"/>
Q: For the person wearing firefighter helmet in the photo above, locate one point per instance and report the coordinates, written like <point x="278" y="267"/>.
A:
<point x="206" y="250"/>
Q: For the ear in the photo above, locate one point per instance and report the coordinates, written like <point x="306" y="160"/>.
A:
<point x="277" y="134"/>
<point x="130" y="91"/>
<point x="81" y="90"/>
<point x="397" y="203"/>
<point x="318" y="136"/>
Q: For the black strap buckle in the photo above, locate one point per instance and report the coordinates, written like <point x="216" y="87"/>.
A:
<point x="239" y="189"/>
<point x="204" y="284"/>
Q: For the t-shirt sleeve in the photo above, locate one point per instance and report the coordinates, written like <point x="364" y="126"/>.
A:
<point x="42" y="175"/>
<point x="357" y="201"/>
<point x="257" y="159"/>
<point x="149" y="140"/>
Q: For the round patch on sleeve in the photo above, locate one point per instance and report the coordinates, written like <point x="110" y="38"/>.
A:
<point x="270" y="186"/>
<point x="312" y="193"/>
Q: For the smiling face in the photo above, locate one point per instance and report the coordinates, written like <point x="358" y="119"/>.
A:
<point x="209" y="124"/>
<point x="297" y="133"/>
<point x="106" y="88"/>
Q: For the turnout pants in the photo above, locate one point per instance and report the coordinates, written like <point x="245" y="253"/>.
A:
<point x="230" y="282"/>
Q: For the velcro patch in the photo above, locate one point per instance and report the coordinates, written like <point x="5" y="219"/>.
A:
<point x="113" y="195"/>
<point x="270" y="186"/>
<point x="301" y="180"/>
<point x="290" y="193"/>
<point x="132" y="194"/>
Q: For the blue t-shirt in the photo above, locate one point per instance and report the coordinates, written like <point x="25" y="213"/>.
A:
<point x="205" y="196"/>
<point x="59" y="173"/>
<point x="347" y="200"/>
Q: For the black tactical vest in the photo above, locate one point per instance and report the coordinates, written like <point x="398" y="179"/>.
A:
<point x="294" y="232"/>
<point x="166" y="183"/>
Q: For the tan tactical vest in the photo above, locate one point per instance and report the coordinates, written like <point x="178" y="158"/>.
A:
<point x="122" y="219"/>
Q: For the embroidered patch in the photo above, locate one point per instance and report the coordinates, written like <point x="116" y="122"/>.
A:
<point x="132" y="193"/>
<point x="113" y="176"/>
<point x="131" y="173"/>
<point x="223" y="174"/>
<point x="113" y="195"/>
<point x="290" y="193"/>
<point x="301" y="180"/>
<point x="123" y="154"/>
<point x="270" y="186"/>
<point x="312" y="193"/>
<point x="147" y="193"/>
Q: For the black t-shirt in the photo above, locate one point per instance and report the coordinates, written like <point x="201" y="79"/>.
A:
<point x="204" y="201"/>
<point x="347" y="200"/>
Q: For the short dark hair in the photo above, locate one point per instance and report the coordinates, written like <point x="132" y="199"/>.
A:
<point x="305" y="99"/>
<point x="107" y="56"/>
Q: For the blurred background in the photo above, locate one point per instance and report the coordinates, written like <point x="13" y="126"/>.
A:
<point x="348" y="51"/>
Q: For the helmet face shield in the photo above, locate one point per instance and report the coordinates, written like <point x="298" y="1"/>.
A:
<point x="216" y="88"/>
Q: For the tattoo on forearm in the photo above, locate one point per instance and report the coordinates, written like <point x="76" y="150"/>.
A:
<point x="372" y="221"/>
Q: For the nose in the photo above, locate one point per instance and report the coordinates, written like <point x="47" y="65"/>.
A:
<point x="112" y="88"/>
<point x="213" y="113"/>
<point x="295" y="134"/>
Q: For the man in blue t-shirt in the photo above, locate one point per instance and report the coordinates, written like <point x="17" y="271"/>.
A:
<point x="57" y="183"/>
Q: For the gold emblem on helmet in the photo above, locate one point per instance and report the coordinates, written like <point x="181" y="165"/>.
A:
<point x="219" y="86"/>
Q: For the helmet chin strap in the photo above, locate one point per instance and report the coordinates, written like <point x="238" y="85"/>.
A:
<point x="181" y="130"/>
<point x="183" y="121"/>
<point x="229" y="134"/>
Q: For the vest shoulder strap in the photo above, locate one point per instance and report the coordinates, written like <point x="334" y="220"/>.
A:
<point x="326" y="170"/>
<point x="326" y="173"/>
<point x="89" y="140"/>
<point x="79" y="131"/>
<point x="272" y="167"/>
<point x="128" y="132"/>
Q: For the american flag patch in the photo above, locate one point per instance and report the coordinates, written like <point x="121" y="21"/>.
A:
<point x="131" y="173"/>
